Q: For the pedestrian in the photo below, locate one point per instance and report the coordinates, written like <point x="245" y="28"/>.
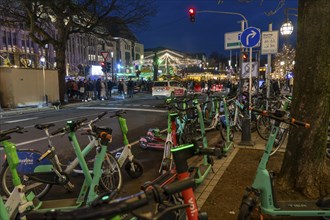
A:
<point x="291" y="84"/>
<point x="103" y="91"/>
<point x="98" y="88"/>
<point x="121" y="89"/>
<point x="110" y="85"/>
<point x="130" y="88"/>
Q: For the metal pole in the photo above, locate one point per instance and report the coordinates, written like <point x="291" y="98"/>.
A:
<point x="269" y="70"/>
<point x="112" y="74"/>
<point x="44" y="82"/>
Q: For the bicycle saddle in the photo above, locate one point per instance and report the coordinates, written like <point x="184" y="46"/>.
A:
<point x="44" y="126"/>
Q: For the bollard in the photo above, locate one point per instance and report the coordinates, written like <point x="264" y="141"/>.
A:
<point x="246" y="132"/>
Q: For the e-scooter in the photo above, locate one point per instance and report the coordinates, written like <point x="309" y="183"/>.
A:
<point x="154" y="139"/>
<point x="261" y="193"/>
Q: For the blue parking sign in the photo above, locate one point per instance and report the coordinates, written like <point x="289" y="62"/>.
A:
<point x="250" y="37"/>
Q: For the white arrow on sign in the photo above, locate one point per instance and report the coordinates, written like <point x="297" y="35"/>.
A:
<point x="250" y="35"/>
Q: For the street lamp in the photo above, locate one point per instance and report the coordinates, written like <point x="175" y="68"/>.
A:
<point x="287" y="27"/>
<point x="43" y="63"/>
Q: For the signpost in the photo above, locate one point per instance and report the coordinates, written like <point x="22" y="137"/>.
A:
<point x="249" y="38"/>
<point x="104" y="55"/>
<point x="232" y="40"/>
<point x="269" y="42"/>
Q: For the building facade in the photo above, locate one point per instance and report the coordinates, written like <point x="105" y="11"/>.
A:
<point x="83" y="50"/>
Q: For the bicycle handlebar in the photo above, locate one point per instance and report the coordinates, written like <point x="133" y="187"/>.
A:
<point x="118" y="113"/>
<point x="120" y="205"/>
<point x="74" y="126"/>
<point x="17" y="129"/>
<point x="280" y="117"/>
<point x="4" y="138"/>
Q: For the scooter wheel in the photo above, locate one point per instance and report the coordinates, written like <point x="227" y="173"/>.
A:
<point x="244" y="212"/>
<point x="138" y="168"/>
<point x="143" y="145"/>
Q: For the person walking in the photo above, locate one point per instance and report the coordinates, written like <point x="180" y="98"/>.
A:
<point x="121" y="89"/>
<point x="110" y="86"/>
<point x="98" y="88"/>
<point x="130" y="88"/>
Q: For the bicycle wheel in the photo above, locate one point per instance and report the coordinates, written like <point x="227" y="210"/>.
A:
<point x="39" y="189"/>
<point x="280" y="139"/>
<point x="111" y="178"/>
<point x="223" y="133"/>
<point x="264" y="126"/>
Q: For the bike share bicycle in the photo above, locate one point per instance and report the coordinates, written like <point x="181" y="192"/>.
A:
<point x="40" y="171"/>
<point x="262" y="192"/>
<point x="19" y="203"/>
<point x="264" y="124"/>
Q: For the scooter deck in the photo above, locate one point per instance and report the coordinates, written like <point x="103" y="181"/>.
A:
<point x="60" y="204"/>
<point x="298" y="205"/>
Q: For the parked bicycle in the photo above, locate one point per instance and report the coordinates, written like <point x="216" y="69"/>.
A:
<point x="20" y="202"/>
<point x="40" y="171"/>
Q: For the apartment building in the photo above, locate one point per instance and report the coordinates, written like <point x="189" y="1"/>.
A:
<point x="83" y="50"/>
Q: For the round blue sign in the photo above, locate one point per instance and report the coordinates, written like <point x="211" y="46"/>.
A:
<point x="250" y="37"/>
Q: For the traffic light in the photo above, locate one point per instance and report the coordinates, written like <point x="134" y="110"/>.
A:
<point x="104" y="69"/>
<point x="245" y="56"/>
<point x="192" y="14"/>
<point x="108" y="67"/>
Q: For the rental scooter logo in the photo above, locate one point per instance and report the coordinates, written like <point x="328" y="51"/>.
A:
<point x="192" y="207"/>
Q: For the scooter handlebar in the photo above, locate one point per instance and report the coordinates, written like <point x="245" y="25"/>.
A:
<point x="120" y="205"/>
<point x="300" y="123"/>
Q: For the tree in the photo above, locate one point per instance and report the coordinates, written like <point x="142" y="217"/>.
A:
<point x="305" y="168"/>
<point x="52" y="22"/>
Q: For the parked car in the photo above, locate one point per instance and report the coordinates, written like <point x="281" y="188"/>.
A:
<point x="168" y="88"/>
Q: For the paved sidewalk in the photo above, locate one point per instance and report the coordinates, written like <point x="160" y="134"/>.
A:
<point x="203" y="191"/>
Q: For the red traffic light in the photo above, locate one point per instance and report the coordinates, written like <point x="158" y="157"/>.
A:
<point x="245" y="56"/>
<point x="192" y="14"/>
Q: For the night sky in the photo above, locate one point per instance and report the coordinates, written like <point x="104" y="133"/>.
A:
<point x="172" y="28"/>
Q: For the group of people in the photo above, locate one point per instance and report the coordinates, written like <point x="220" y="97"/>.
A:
<point x="92" y="89"/>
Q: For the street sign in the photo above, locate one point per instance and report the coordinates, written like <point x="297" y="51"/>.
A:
<point x="104" y="55"/>
<point x="269" y="42"/>
<point x="250" y="37"/>
<point x="232" y="40"/>
<point x="246" y="70"/>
